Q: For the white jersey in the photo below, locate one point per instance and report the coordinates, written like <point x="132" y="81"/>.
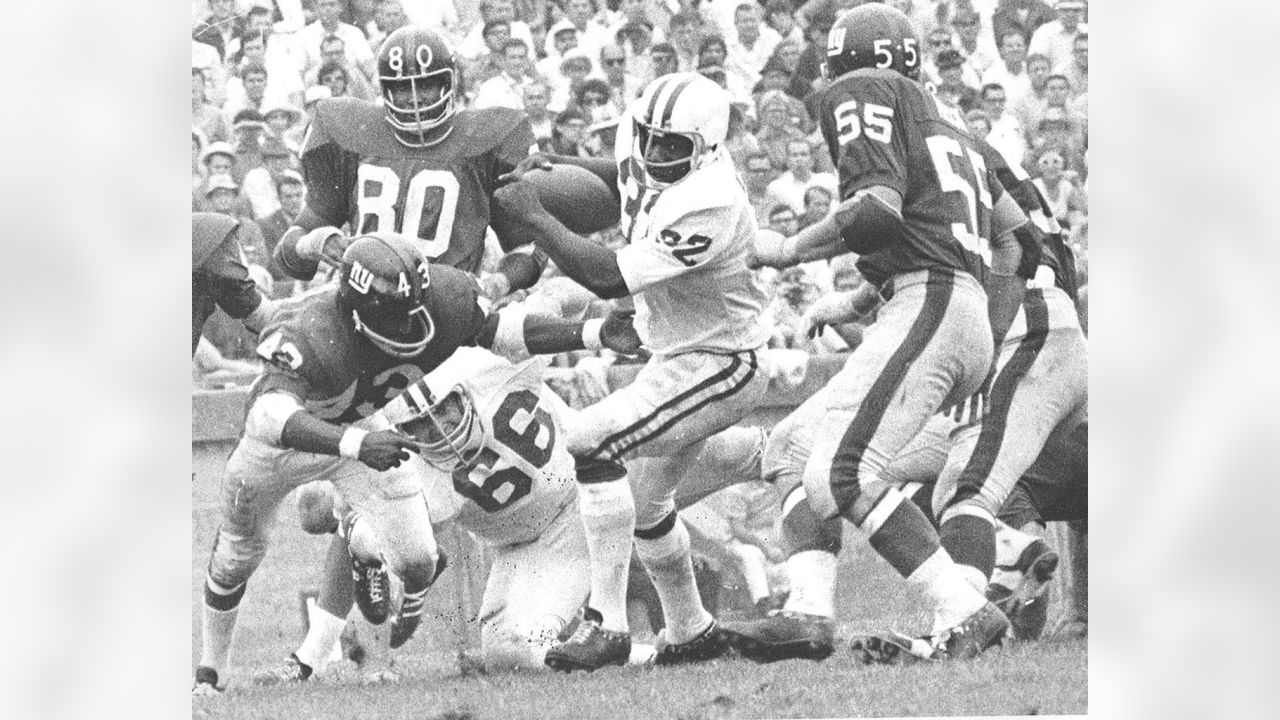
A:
<point x="686" y="257"/>
<point x="524" y="476"/>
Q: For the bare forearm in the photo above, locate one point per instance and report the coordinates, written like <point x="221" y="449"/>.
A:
<point x="593" y="266"/>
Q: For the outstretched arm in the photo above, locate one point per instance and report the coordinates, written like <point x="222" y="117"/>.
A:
<point x="869" y="220"/>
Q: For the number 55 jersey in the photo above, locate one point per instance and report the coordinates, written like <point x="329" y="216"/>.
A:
<point x="357" y="172"/>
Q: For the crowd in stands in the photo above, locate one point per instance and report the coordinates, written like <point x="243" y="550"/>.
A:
<point x="1017" y="69"/>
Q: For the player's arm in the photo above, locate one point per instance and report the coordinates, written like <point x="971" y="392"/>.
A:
<point x="869" y="220"/>
<point x="330" y="172"/>
<point x="1004" y="296"/>
<point x="227" y="276"/>
<point x="516" y="333"/>
<point x="593" y="266"/>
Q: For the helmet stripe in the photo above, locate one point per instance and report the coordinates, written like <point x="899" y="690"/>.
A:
<point x="671" y="101"/>
<point x="659" y="85"/>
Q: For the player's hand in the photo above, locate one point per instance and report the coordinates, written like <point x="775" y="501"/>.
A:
<point x="973" y="409"/>
<point x="324" y="244"/>
<point x="768" y="251"/>
<point x="495" y="286"/>
<point x="519" y="199"/>
<point x="535" y="161"/>
<point x="619" y="332"/>
<point x="385" y="449"/>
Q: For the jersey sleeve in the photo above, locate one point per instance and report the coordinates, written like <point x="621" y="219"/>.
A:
<point x="227" y="279"/>
<point x="687" y="245"/>
<point x="289" y="363"/>
<point x="866" y="130"/>
<point x="516" y="146"/>
<point x="328" y="169"/>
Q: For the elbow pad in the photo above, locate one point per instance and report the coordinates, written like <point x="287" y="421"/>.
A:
<point x="268" y="415"/>
<point x="1029" y="237"/>
<point x="868" y="225"/>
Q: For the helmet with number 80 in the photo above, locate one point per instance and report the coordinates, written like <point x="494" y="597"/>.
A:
<point x="383" y="285"/>
<point x="872" y="36"/>
<point x="417" y="74"/>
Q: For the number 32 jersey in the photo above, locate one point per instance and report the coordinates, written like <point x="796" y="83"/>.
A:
<point x="358" y="172"/>
<point x="885" y="129"/>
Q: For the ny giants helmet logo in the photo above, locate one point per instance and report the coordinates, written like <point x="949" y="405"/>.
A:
<point x="360" y="278"/>
<point x="835" y="41"/>
<point x="424" y="56"/>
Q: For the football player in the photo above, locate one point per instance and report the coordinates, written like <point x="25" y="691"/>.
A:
<point x="335" y="356"/>
<point x="689" y="229"/>
<point x="419" y="165"/>
<point x="219" y="276"/>
<point x="495" y="438"/>
<point x="935" y="237"/>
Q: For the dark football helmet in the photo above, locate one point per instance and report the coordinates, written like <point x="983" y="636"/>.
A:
<point x="872" y="36"/>
<point x="417" y="74"/>
<point x="384" y="286"/>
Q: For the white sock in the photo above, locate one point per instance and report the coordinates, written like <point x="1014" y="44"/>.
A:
<point x="813" y="583"/>
<point x="752" y="564"/>
<point x="317" y="648"/>
<point x="667" y="561"/>
<point x="361" y="538"/>
<point x="219" y="627"/>
<point x="944" y="585"/>
<point x="609" y="518"/>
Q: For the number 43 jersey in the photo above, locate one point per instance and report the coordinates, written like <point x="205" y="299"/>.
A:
<point x="358" y="172"/>
<point x="524" y="475"/>
<point x="885" y="129"/>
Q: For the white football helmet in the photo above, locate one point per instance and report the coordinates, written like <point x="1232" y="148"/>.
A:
<point x="680" y="124"/>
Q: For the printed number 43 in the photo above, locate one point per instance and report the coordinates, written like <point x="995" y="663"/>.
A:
<point x="876" y="121"/>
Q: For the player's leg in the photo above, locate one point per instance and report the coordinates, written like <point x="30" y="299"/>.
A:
<point x="931" y="347"/>
<point x="671" y="404"/>
<point x="1041" y="378"/>
<point x="252" y="488"/>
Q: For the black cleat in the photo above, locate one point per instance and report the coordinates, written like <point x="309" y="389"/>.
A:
<point x="289" y="672"/>
<point x="591" y="647"/>
<point x="206" y="684"/>
<point x="708" y="645"/>
<point x="782" y="635"/>
<point x="373" y="589"/>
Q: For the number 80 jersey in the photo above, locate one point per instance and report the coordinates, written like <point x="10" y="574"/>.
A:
<point x="357" y="172"/>
<point x="885" y="129"/>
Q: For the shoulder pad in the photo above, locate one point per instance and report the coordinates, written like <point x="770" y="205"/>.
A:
<point x="715" y="186"/>
<point x="208" y="231"/>
<point x="352" y="123"/>
<point x="482" y="130"/>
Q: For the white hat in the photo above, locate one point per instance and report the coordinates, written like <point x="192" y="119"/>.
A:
<point x="220" y="182"/>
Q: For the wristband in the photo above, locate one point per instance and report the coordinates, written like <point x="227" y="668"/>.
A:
<point x="591" y="331"/>
<point x="349" y="445"/>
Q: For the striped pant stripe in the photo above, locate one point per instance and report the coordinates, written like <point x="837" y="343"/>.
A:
<point x="723" y="384"/>
<point x="991" y="437"/>
<point x="848" y="457"/>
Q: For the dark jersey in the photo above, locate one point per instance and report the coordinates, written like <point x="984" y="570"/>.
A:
<point x="218" y="274"/>
<point x="315" y="354"/>
<point x="358" y="173"/>
<point x="884" y="129"/>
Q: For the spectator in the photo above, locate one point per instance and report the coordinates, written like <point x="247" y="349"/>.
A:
<point x="491" y="62"/>
<point x="249" y="127"/>
<point x="260" y="183"/>
<point x="952" y="88"/>
<point x="336" y="78"/>
<point x="281" y="56"/>
<point x="218" y="158"/>
<point x="636" y="14"/>
<point x="624" y="86"/>
<point x="285" y="80"/>
<point x="333" y="52"/>
<point x="204" y="114"/>
<point x="777" y="127"/>
<point x="313" y="96"/>
<point x="757" y="173"/>
<point x="922" y="14"/>
<point x="1056" y="38"/>
<point x="570" y="133"/>
<point x="813" y="55"/>
<point x="246" y="92"/>
<point x="781" y="18"/>
<point x="1021" y="16"/>
<point x="1032" y="105"/>
<point x="783" y="220"/>
<point x="1006" y="134"/>
<point x="292" y="193"/>
<point x="284" y="122"/>
<point x="1057" y="128"/>
<point x="220" y="26"/>
<point x="592" y="34"/>
<point x="1068" y="202"/>
<point x="818" y="202"/>
<point x="198" y="172"/>
<point x="492" y="11"/>
<point x="328" y="22"/>
<point x="979" y="50"/>
<point x="564" y="37"/>
<point x="938" y="40"/>
<point x="574" y="69"/>
<point x="663" y="60"/>
<point x="979" y="123"/>
<point x="596" y="98"/>
<point x="789" y="188"/>
<point x="1077" y="68"/>
<point x="796" y="291"/>
<point x="536" y="97"/>
<point x="686" y="38"/>
<point x="390" y="15"/>
<point x="506" y="89"/>
<point x="222" y="194"/>
<point x="787" y="54"/>
<point x="1011" y="71"/>
<point x="1057" y="94"/>
<point x="749" y="47"/>
<point x="205" y="57"/>
<point x="634" y="39"/>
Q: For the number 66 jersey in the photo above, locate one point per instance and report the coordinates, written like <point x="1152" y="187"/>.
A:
<point x="358" y="172"/>
<point x="884" y="129"/>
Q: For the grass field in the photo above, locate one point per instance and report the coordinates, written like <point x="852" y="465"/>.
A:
<point x="1036" y="678"/>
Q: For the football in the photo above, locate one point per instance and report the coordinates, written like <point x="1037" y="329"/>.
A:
<point x="576" y="197"/>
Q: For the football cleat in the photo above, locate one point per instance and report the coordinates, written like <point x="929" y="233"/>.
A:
<point x="893" y="648"/>
<point x="1020" y="590"/>
<point x="591" y="647"/>
<point x="708" y="645"/>
<point x="984" y="629"/>
<point x="206" y="684"/>
<point x="410" y="616"/>
<point x="782" y="635"/>
<point x="373" y="589"/>
<point x="291" y="671"/>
